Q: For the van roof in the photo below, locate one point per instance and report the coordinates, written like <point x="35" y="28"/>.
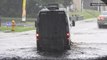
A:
<point x="46" y="9"/>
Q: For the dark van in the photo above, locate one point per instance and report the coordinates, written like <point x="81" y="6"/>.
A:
<point x="53" y="30"/>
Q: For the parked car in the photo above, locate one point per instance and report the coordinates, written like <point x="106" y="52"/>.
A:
<point x="102" y="19"/>
<point x="53" y="29"/>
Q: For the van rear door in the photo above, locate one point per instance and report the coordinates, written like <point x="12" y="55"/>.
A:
<point x="52" y="29"/>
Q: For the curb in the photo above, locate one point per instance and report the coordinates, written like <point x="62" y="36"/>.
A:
<point x="89" y="20"/>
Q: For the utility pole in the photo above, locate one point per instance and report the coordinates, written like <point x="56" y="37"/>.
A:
<point x="81" y="5"/>
<point x="23" y="10"/>
<point x="99" y="7"/>
<point x="0" y="21"/>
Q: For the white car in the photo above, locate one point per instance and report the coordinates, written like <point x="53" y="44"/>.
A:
<point x="102" y="19"/>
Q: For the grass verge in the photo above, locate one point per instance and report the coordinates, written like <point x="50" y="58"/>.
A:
<point x="87" y="14"/>
<point x="17" y="28"/>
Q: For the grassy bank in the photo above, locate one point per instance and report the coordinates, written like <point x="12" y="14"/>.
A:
<point x="86" y="13"/>
<point x="17" y="19"/>
<point x="17" y="28"/>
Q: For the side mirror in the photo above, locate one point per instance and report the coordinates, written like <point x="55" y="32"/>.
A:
<point x="70" y="18"/>
<point x="73" y="23"/>
<point x="36" y="22"/>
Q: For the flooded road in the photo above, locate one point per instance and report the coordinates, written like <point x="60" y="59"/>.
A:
<point x="89" y="42"/>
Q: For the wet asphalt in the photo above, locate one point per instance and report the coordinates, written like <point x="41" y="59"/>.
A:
<point x="89" y="43"/>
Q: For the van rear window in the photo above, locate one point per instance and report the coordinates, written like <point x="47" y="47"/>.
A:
<point x="52" y="22"/>
<point x="57" y="13"/>
<point x="57" y="16"/>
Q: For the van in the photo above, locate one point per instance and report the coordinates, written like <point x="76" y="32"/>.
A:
<point x="53" y="29"/>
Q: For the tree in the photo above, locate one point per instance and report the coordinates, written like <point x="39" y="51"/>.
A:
<point x="45" y="2"/>
<point x="105" y="1"/>
<point x="10" y="8"/>
<point x="13" y="8"/>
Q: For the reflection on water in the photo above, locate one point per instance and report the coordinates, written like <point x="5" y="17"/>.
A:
<point x="78" y="51"/>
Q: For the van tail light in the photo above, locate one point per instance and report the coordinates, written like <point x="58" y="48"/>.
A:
<point x="101" y="18"/>
<point x="68" y="35"/>
<point x="37" y="36"/>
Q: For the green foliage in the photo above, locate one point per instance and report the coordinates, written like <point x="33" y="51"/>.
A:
<point x="45" y="2"/>
<point x="10" y="8"/>
<point x="105" y="1"/>
<point x="86" y="13"/>
<point x="13" y="8"/>
<point x="17" y="28"/>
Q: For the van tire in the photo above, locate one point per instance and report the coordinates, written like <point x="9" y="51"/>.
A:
<point x="68" y="47"/>
<point x="38" y="46"/>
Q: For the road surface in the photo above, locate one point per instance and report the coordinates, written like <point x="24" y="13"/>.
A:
<point x="89" y="42"/>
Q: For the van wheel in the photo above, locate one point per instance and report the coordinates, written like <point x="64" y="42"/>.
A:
<point x="100" y="26"/>
<point x="38" y="46"/>
<point x="68" y="47"/>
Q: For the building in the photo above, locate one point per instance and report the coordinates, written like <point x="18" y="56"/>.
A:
<point x="86" y="4"/>
<point x="77" y="4"/>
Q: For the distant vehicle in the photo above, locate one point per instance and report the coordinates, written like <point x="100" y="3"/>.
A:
<point x="53" y="29"/>
<point x="102" y="19"/>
